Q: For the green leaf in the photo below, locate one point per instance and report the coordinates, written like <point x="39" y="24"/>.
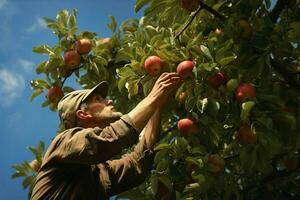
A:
<point x="67" y="89"/>
<point x="36" y="93"/>
<point x="162" y="146"/>
<point x="248" y="157"/>
<point x="113" y="24"/>
<point x="227" y="60"/>
<point x="206" y="52"/>
<point x="72" y="22"/>
<point x="41" y="68"/>
<point x="18" y="174"/>
<point x="42" y="49"/>
<point x="139" y="4"/>
<point x="166" y="181"/>
<point x="160" y="155"/>
<point x="132" y="87"/>
<point x="46" y="103"/>
<point x="246" y="108"/>
<point x="29" y="180"/>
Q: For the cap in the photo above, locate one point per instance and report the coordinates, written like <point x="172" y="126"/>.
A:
<point x="70" y="103"/>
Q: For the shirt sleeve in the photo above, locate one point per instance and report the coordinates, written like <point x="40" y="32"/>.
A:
<point x="94" y="145"/>
<point x="131" y="170"/>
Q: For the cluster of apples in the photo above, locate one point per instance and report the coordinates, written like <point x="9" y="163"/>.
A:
<point x="154" y="64"/>
<point x="72" y="57"/>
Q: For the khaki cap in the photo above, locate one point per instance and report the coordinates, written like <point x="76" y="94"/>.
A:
<point x="70" y="103"/>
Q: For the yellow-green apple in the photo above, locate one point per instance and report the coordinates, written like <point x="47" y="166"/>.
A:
<point x="153" y="65"/>
<point x="83" y="46"/>
<point x="217" y="163"/>
<point x="54" y="94"/>
<point x="245" y="135"/>
<point x="218" y="79"/>
<point x="245" y="91"/>
<point x="182" y="97"/>
<point x="187" y="127"/>
<point x="72" y="59"/>
<point x="185" y="68"/>
<point x="232" y="84"/>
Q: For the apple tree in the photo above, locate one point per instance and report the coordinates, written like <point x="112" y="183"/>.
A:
<point x="232" y="130"/>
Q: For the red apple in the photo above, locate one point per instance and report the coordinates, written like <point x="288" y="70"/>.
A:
<point x="187" y="127"/>
<point x="245" y="91"/>
<point x="190" y="5"/>
<point x="35" y="165"/>
<point x="153" y="65"/>
<point x="218" y="79"/>
<point x="217" y="163"/>
<point x="84" y="46"/>
<point x="245" y="135"/>
<point x="72" y="59"/>
<point x="54" y="94"/>
<point x="185" y="68"/>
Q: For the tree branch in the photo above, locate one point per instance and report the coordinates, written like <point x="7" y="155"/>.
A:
<point x="274" y="14"/>
<point x="211" y="10"/>
<point x="190" y="20"/>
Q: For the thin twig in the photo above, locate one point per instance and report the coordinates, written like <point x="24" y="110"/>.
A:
<point x="213" y="11"/>
<point x="190" y="20"/>
<point x="275" y="13"/>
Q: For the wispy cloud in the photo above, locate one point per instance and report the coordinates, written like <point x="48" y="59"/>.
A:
<point x="2" y="3"/>
<point x="26" y="65"/>
<point x="12" y="86"/>
<point x="38" y="24"/>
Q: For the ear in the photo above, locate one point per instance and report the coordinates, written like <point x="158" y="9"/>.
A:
<point x="83" y="115"/>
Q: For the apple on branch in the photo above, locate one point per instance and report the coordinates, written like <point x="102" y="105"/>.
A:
<point x="218" y="79"/>
<point x="245" y="91"/>
<point x="55" y="94"/>
<point x="153" y="65"/>
<point x="217" y="163"/>
<point x="185" y="68"/>
<point x="187" y="127"/>
<point x="245" y="135"/>
<point x="83" y="46"/>
<point x="72" y="59"/>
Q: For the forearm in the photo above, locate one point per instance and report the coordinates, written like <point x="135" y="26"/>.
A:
<point x="141" y="114"/>
<point x="152" y="129"/>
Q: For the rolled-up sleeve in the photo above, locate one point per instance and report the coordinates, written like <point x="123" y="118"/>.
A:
<point x="94" y="145"/>
<point x="131" y="170"/>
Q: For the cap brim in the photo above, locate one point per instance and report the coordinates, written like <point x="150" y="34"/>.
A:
<point x="101" y="88"/>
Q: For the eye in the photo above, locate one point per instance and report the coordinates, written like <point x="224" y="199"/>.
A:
<point x="98" y="98"/>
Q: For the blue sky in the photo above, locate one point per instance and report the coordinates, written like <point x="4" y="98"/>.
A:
<point x="23" y="122"/>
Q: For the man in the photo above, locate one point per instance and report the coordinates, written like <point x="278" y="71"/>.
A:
<point x="78" y="165"/>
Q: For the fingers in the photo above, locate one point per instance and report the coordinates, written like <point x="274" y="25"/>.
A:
<point x="166" y="76"/>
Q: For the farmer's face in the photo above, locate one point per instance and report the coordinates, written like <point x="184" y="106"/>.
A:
<point x="102" y="110"/>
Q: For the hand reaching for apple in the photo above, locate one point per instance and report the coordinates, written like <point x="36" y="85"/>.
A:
<point x="165" y="88"/>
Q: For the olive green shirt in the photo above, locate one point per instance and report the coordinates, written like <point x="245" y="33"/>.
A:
<point x="77" y="166"/>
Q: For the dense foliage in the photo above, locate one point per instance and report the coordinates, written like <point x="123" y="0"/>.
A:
<point x="239" y="109"/>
